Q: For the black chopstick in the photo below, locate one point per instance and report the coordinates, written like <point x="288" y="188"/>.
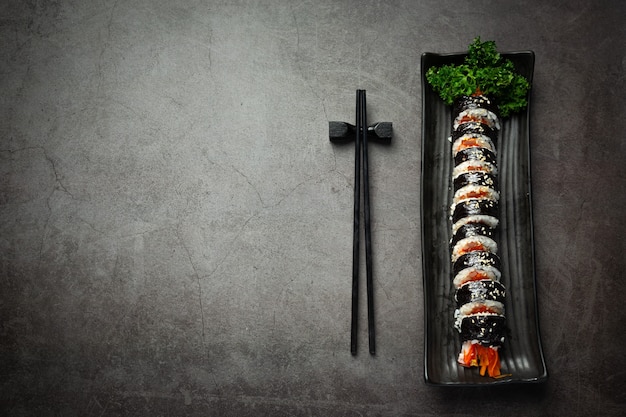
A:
<point x="357" y="229"/>
<point x="368" y="236"/>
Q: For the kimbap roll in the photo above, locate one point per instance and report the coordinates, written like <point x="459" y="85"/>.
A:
<point x="479" y="316"/>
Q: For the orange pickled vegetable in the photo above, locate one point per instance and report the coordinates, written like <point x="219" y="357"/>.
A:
<point x="486" y="358"/>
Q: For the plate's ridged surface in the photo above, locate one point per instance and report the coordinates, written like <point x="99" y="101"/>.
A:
<point x="521" y="356"/>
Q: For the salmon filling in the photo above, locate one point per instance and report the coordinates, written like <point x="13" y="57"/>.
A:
<point x="472" y="247"/>
<point x="474" y="194"/>
<point x="477" y="275"/>
<point x="469" y="143"/>
<point x="473" y="118"/>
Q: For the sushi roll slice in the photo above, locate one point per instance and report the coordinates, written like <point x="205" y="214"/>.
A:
<point x="474" y="166"/>
<point x="476" y="308"/>
<point x="476" y="260"/>
<point x="476" y="274"/>
<point x="470" y="141"/>
<point x="482" y="334"/>
<point x="474" y="153"/>
<point x="476" y="266"/>
<point x="474" y="102"/>
<point x="471" y="229"/>
<point x="476" y="243"/>
<point x="474" y="207"/>
<point x="489" y="220"/>
<point x="474" y="127"/>
<point x="478" y="115"/>
<point x="473" y="192"/>
<point x="487" y="328"/>
<point x="475" y="178"/>
<point x="479" y="290"/>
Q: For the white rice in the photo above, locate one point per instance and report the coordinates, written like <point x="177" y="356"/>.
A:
<point x="466" y="310"/>
<point x="482" y="140"/>
<point x="473" y="166"/>
<point x="490" y="221"/>
<point x="489" y="244"/>
<point x="463" y="276"/>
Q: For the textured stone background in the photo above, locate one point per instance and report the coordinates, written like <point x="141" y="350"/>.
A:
<point x="175" y="227"/>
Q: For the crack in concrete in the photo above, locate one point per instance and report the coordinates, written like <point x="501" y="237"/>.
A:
<point x="57" y="176"/>
<point x="44" y="231"/>
<point x="59" y="186"/>
<point x="197" y="276"/>
<point x="250" y="184"/>
<point x="232" y="242"/>
<point x="91" y="226"/>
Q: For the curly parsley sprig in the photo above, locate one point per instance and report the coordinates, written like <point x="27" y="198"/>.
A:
<point x="484" y="71"/>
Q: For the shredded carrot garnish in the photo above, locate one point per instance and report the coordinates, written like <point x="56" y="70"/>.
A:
<point x="478" y="275"/>
<point x="484" y="357"/>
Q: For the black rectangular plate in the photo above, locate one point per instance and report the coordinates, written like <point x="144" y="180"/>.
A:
<point x="522" y="358"/>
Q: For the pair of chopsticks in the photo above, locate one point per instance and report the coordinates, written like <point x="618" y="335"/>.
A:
<point x="342" y="132"/>
<point x="361" y="174"/>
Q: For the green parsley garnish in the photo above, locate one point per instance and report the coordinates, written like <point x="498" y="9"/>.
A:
<point x="485" y="72"/>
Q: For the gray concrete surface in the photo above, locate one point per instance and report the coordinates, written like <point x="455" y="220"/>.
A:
<point x="175" y="227"/>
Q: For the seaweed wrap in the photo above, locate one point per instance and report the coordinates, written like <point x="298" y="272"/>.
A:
<point x="480" y="290"/>
<point x="487" y="328"/>
<point x="475" y="178"/>
<point x="476" y="259"/>
<point x="474" y="102"/>
<point x="474" y="153"/>
<point x="474" y="207"/>
<point x="471" y="229"/>
<point x="476" y="128"/>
